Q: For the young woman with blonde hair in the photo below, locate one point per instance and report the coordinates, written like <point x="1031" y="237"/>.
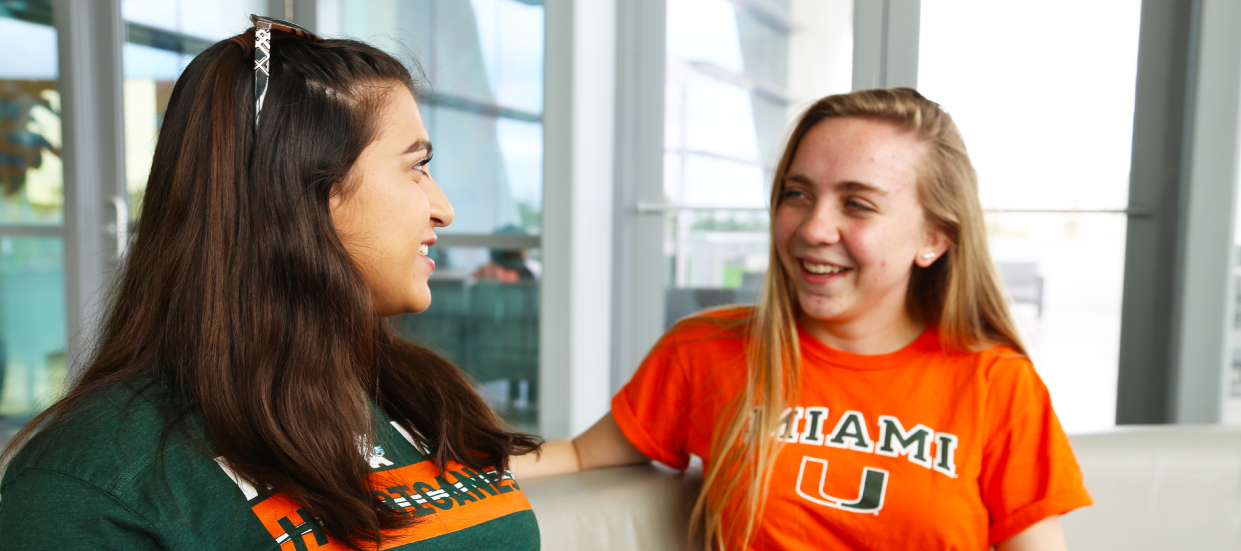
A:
<point x="879" y="396"/>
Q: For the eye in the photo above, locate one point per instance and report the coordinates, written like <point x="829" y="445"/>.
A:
<point x="792" y="194"/>
<point x="421" y="166"/>
<point x="856" y="205"/>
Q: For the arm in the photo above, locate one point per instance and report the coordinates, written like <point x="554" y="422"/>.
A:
<point x="603" y="445"/>
<point x="50" y="511"/>
<point x="1045" y="535"/>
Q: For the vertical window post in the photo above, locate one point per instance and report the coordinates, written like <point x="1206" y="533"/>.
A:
<point x="1177" y="293"/>
<point x="90" y="36"/>
<point x="639" y="273"/>
<point x="885" y="43"/>
<point x="575" y="339"/>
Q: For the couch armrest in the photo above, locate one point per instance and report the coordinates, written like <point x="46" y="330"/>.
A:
<point x="637" y="507"/>
<point x="1159" y="487"/>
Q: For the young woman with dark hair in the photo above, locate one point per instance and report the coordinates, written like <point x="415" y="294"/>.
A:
<point x="246" y="391"/>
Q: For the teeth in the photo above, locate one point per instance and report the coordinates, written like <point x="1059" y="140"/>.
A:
<point x="424" y="249"/>
<point x="821" y="268"/>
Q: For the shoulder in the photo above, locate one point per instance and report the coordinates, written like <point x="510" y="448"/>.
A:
<point x="108" y="440"/>
<point x="699" y="346"/>
<point x="1015" y="393"/>
<point x="1004" y="367"/>
<point x="730" y="323"/>
<point x="1005" y="375"/>
<point x="995" y="363"/>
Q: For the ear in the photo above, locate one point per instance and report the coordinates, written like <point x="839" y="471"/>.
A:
<point x="934" y="244"/>
<point x="336" y="197"/>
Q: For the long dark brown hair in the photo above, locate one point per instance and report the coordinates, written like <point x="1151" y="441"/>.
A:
<point x="239" y="297"/>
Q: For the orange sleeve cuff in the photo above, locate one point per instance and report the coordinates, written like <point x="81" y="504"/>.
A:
<point x="1053" y="505"/>
<point x="629" y="425"/>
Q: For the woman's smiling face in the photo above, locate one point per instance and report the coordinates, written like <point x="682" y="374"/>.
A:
<point x="849" y="227"/>
<point x="389" y="208"/>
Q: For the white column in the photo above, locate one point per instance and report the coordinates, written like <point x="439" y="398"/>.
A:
<point x="885" y="43"/>
<point x="1202" y="357"/>
<point x="301" y="12"/>
<point x="90" y="36"/>
<point x="820" y="51"/>
<point x="638" y="265"/>
<point x="579" y="109"/>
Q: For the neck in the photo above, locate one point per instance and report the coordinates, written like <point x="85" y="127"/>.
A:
<point x="868" y="335"/>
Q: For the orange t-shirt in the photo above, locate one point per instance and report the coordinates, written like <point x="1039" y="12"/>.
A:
<point x="923" y="448"/>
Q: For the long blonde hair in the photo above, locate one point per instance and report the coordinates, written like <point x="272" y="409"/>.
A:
<point x="960" y="293"/>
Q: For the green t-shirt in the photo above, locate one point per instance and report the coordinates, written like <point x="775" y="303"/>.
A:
<point x="99" y="481"/>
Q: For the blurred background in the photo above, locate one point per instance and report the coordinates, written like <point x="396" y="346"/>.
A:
<point x="610" y="162"/>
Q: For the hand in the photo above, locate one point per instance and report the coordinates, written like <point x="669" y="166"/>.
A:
<point x="497" y="272"/>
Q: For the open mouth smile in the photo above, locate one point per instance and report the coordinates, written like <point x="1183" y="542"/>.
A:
<point x="822" y="269"/>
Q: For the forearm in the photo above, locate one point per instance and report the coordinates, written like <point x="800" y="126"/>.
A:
<point x="603" y="445"/>
<point x="1045" y="535"/>
<point x="556" y="457"/>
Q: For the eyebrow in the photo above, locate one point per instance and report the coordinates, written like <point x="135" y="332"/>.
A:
<point x="842" y="186"/>
<point x="418" y="146"/>
<point x="860" y="187"/>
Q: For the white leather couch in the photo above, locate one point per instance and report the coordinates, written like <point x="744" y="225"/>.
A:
<point x="1155" y="488"/>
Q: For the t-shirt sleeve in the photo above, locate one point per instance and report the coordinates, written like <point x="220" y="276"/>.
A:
<point x="48" y="510"/>
<point x="652" y="409"/>
<point x="1029" y="472"/>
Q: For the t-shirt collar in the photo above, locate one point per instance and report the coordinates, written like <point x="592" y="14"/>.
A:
<point x="814" y="350"/>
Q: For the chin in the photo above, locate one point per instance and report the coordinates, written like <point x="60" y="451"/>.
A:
<point x="419" y="298"/>
<point x="820" y="308"/>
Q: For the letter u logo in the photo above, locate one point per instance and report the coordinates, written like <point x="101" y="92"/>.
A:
<point x="870" y="494"/>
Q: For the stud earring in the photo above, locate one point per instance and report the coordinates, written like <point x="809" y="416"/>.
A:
<point x="928" y="256"/>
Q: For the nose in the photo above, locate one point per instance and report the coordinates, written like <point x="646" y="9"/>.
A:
<point x="441" y="209"/>
<point x="821" y="226"/>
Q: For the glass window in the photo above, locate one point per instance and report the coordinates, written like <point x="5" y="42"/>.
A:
<point x="483" y="107"/>
<point x="32" y="274"/>
<point x="483" y="99"/>
<point x="736" y="71"/>
<point x="161" y="38"/>
<point x="31" y="172"/>
<point x="1055" y="198"/>
<point x="32" y="324"/>
<point x="484" y="316"/>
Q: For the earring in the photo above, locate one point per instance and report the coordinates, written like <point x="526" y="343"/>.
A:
<point x="928" y="256"/>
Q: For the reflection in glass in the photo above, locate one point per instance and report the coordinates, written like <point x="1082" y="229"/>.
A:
<point x="726" y="103"/>
<point x="31" y="171"/>
<point x="482" y="103"/>
<point x="470" y="167"/>
<point x="32" y="327"/>
<point x="1064" y="274"/>
<point x="1082" y="80"/>
<point x="209" y="21"/>
<point x="764" y="46"/>
<point x="483" y="108"/>
<point x="162" y="38"/>
<point x="484" y="316"/>
<point x="715" y="258"/>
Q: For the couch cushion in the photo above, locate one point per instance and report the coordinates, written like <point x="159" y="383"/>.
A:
<point x="1155" y="488"/>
